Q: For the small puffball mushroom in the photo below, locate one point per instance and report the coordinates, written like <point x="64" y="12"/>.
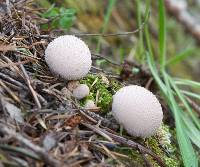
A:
<point x="69" y="57"/>
<point x="137" y="110"/>
<point x="89" y="104"/>
<point x="81" y="91"/>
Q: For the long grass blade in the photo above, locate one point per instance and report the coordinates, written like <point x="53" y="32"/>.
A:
<point x="162" y="33"/>
<point x="185" y="132"/>
<point x="111" y="4"/>
<point x="188" y="155"/>
<point x="186" y="149"/>
<point x="139" y="21"/>
<point x="187" y="82"/>
<point x="185" y="103"/>
<point x="181" y="56"/>
<point x="154" y="71"/>
<point x="194" y="95"/>
<point x="191" y="130"/>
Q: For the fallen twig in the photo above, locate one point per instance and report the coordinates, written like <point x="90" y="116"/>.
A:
<point x="126" y="142"/>
<point x="19" y="150"/>
<point x="105" y="58"/>
<point x="10" y="92"/>
<point x="30" y="87"/>
<point x="13" y="81"/>
<point x="38" y="150"/>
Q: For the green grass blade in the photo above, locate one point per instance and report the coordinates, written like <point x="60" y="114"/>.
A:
<point x="139" y="22"/>
<point x="194" y="137"/>
<point x="185" y="145"/>
<point x="187" y="152"/>
<point x="187" y="82"/>
<point x="151" y="63"/>
<point x="111" y="4"/>
<point x="181" y="56"/>
<point x="147" y="37"/>
<point x="162" y="33"/>
<point x="185" y="103"/>
<point x="191" y="94"/>
<point x="150" y="58"/>
<point x="191" y="130"/>
<point x="188" y="155"/>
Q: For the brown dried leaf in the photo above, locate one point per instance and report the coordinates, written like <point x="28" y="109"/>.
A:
<point x="73" y="121"/>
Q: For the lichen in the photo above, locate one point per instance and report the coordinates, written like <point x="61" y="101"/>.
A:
<point x="101" y="89"/>
<point x="162" y="146"/>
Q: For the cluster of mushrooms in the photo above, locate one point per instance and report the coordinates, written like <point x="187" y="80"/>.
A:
<point x="134" y="107"/>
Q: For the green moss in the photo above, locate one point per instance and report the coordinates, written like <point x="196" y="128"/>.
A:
<point x="135" y="157"/>
<point x="101" y="86"/>
<point x="162" y="146"/>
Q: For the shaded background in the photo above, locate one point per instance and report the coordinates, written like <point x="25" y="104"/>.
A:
<point x="93" y="17"/>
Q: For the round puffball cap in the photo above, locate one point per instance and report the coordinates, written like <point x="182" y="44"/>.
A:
<point x="81" y="91"/>
<point x="137" y="110"/>
<point x="68" y="57"/>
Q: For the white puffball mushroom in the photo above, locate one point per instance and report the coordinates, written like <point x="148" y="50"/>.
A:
<point x="137" y="110"/>
<point x="69" y="57"/>
<point x="81" y="91"/>
<point x="89" y="104"/>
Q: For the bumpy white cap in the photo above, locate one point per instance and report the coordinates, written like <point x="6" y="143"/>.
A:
<point x="81" y="91"/>
<point x="137" y="110"/>
<point x="69" y="57"/>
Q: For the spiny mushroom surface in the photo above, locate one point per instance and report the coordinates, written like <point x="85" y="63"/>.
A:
<point x="68" y="57"/>
<point x="81" y="91"/>
<point x="137" y="110"/>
